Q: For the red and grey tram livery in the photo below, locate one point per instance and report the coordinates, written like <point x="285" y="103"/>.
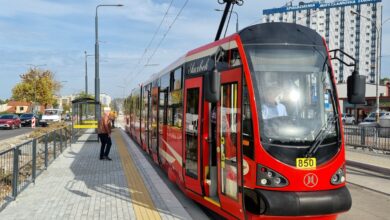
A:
<point x="249" y="125"/>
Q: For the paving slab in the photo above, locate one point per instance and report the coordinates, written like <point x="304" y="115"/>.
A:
<point x="77" y="185"/>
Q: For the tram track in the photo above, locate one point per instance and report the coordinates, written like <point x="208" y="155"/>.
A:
<point x="370" y="180"/>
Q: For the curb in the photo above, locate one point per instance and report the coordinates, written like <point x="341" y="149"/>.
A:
<point x="370" y="167"/>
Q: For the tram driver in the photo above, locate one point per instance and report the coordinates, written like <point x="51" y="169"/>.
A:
<point x="272" y="107"/>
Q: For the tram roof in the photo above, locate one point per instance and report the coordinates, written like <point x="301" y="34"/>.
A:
<point x="280" y="33"/>
<point x="266" y="33"/>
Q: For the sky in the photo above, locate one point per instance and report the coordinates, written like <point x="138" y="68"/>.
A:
<point x="53" y="34"/>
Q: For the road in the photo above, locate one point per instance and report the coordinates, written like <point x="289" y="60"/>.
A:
<point x="5" y="133"/>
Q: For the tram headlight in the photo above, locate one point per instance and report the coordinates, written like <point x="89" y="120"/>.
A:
<point x="339" y="176"/>
<point x="270" y="178"/>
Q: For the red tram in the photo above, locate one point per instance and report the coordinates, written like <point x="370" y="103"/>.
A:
<point x="249" y="125"/>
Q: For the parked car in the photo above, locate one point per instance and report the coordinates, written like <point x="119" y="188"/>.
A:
<point x="50" y="116"/>
<point x="348" y="119"/>
<point x="10" y="121"/>
<point x="27" y="118"/>
<point x="372" y="116"/>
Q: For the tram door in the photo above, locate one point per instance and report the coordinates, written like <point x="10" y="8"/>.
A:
<point x="229" y="142"/>
<point x="154" y="123"/>
<point x="192" y="135"/>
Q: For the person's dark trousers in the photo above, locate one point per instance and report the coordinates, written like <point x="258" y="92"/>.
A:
<point x="106" y="145"/>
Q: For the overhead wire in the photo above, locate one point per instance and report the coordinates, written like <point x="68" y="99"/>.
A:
<point x="152" y="39"/>
<point x="155" y="33"/>
<point x="164" y="36"/>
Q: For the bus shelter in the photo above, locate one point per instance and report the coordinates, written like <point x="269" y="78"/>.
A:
<point x="84" y="118"/>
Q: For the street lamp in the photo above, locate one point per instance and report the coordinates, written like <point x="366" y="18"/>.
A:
<point x="236" y="17"/>
<point x="86" y="71"/>
<point x="97" y="79"/>
<point x="378" y="34"/>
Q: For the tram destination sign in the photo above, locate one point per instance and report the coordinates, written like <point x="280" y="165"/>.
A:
<point x="317" y="5"/>
<point x="200" y="65"/>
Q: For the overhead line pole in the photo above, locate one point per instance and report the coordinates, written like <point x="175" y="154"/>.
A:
<point x="97" y="79"/>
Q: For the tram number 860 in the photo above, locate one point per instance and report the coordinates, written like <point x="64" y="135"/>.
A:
<point x="306" y="163"/>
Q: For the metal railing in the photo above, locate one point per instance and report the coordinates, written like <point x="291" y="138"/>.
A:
<point x="20" y="165"/>
<point x="373" y="138"/>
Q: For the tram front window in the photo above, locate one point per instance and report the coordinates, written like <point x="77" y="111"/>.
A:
<point x="295" y="93"/>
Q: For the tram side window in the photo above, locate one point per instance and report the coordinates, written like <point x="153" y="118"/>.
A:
<point x="175" y="103"/>
<point x="232" y="59"/>
<point x="154" y="116"/>
<point x="164" y="88"/>
<point x="137" y="112"/>
<point x="229" y="114"/>
<point x="144" y="106"/>
<point x="247" y="127"/>
<point x="192" y="119"/>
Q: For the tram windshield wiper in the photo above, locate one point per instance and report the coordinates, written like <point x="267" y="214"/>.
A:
<point x="322" y="134"/>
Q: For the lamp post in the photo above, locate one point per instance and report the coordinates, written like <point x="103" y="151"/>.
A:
<point x="97" y="79"/>
<point x="86" y="71"/>
<point x="378" y="34"/>
<point x="35" y="84"/>
<point x="236" y="17"/>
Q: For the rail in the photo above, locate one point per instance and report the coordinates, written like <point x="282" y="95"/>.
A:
<point x="373" y="138"/>
<point x="20" y="165"/>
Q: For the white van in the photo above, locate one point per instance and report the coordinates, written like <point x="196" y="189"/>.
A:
<point x="50" y="116"/>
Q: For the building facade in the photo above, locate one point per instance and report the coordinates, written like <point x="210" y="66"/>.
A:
<point x="356" y="35"/>
<point x="105" y="99"/>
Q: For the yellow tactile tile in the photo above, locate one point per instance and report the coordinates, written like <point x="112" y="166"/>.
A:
<point x="142" y="202"/>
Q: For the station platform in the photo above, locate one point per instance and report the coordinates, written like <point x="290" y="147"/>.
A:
<point x="77" y="185"/>
<point x="366" y="159"/>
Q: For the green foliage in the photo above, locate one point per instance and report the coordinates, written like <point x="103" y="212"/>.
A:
<point x="36" y="85"/>
<point x="84" y="95"/>
<point x="385" y="79"/>
<point x="66" y="107"/>
<point x="3" y="101"/>
<point x="117" y="104"/>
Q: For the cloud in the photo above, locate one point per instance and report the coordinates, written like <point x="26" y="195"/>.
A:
<point x="37" y="7"/>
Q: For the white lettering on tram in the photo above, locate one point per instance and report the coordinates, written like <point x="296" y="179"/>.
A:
<point x="201" y="67"/>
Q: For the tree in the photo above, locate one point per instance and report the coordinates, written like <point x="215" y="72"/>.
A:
<point x="66" y="107"/>
<point x="37" y="86"/>
<point x="385" y="79"/>
<point x="117" y="104"/>
<point x="3" y="101"/>
<point x="84" y="95"/>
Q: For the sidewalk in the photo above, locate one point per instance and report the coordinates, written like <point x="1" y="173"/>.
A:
<point x="80" y="186"/>
<point x="369" y="160"/>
